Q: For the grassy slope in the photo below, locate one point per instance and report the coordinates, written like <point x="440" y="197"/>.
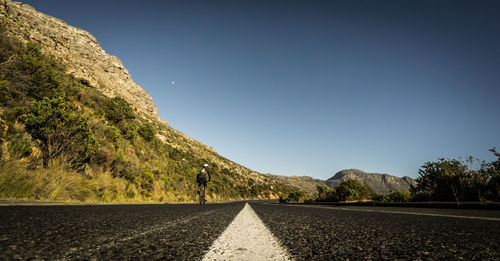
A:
<point x="132" y="162"/>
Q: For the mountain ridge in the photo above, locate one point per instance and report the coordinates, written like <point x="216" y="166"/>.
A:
<point x="382" y="183"/>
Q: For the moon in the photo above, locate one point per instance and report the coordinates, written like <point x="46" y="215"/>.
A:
<point x="172" y="83"/>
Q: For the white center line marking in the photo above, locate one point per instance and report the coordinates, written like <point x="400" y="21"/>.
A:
<point x="247" y="238"/>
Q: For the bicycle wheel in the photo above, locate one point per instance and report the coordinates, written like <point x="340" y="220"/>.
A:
<point x="202" y="194"/>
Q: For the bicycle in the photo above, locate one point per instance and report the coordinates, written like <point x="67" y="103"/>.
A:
<point x="203" y="199"/>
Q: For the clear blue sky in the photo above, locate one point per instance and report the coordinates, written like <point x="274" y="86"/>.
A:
<point x="312" y="87"/>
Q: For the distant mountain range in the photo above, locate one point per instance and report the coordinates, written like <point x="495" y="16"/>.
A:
<point x="382" y="183"/>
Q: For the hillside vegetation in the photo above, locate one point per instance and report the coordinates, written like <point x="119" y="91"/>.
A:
<point x="62" y="139"/>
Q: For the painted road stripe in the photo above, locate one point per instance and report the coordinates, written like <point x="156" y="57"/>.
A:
<point x="399" y="212"/>
<point x="247" y="238"/>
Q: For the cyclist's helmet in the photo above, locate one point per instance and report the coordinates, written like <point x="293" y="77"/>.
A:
<point x="206" y="165"/>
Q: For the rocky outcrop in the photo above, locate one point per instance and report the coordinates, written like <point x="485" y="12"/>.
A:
<point x="79" y="51"/>
<point x="382" y="183"/>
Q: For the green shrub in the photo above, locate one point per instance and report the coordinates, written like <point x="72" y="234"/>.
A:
<point x="4" y="127"/>
<point x="380" y="197"/>
<point x="147" y="131"/>
<point x="399" y="196"/>
<point x="20" y="147"/>
<point x="12" y="115"/>
<point x="294" y="197"/>
<point x="112" y="133"/>
<point x="325" y="193"/>
<point x="7" y="96"/>
<point x="36" y="75"/>
<point x="128" y="130"/>
<point x="117" y="109"/>
<point x="62" y="132"/>
<point x="130" y="193"/>
<point x="147" y="180"/>
<point x="353" y="190"/>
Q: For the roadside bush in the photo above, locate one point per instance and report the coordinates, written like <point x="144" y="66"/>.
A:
<point x="325" y="193"/>
<point x="399" y="196"/>
<point x="349" y="190"/>
<point x="294" y="197"/>
<point x="380" y="197"/>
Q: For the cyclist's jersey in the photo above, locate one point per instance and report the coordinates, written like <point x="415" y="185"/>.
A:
<point x="203" y="176"/>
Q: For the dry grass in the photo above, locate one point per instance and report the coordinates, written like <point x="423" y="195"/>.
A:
<point x="53" y="183"/>
<point x="57" y="182"/>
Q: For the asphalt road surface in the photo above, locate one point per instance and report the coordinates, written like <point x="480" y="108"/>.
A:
<point x="187" y="232"/>
<point x="325" y="233"/>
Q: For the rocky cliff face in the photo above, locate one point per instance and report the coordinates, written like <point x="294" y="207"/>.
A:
<point x="79" y="51"/>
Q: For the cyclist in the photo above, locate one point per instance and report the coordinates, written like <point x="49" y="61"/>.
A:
<point x="201" y="178"/>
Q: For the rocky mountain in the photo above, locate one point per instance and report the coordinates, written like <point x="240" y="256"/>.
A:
<point x="79" y="51"/>
<point x="382" y="183"/>
<point x="49" y="68"/>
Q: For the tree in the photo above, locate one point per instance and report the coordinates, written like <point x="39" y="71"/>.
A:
<point x="453" y="180"/>
<point x="325" y="193"/>
<point x="295" y="196"/>
<point x="61" y="132"/>
<point x="491" y="174"/>
<point x="443" y="180"/>
<point x="353" y="190"/>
